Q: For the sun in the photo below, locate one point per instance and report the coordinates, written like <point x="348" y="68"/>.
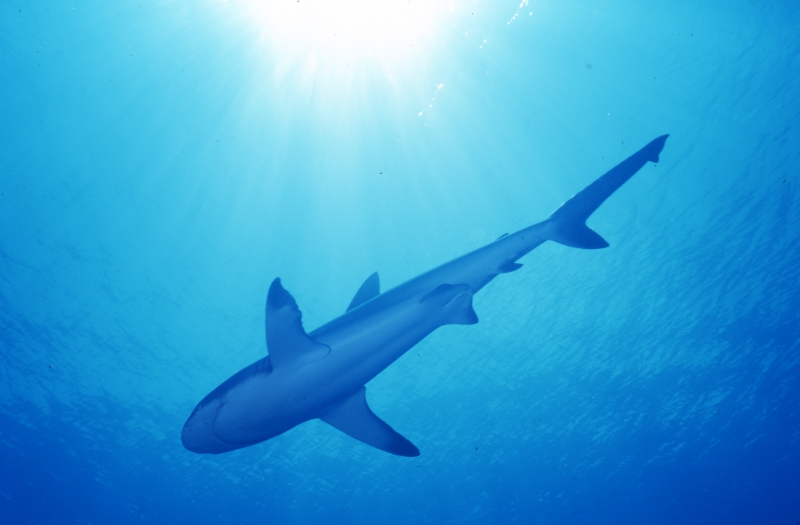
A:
<point x="348" y="29"/>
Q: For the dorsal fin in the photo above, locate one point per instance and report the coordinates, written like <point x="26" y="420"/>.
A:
<point x="287" y="342"/>
<point x="371" y="288"/>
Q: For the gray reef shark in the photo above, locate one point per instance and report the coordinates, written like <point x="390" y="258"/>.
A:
<point x="322" y="374"/>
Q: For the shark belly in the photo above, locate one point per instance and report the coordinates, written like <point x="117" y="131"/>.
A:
<point x="364" y="348"/>
<point x="267" y="405"/>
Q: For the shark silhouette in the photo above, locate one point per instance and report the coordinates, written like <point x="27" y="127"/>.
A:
<point x="322" y="374"/>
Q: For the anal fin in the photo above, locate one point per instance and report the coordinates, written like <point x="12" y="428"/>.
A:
<point x="509" y="267"/>
<point x="578" y="236"/>
<point x="353" y="417"/>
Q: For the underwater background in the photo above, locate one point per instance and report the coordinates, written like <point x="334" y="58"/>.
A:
<point x="164" y="161"/>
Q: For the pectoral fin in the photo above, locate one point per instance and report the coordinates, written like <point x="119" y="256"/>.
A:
<point x="287" y="341"/>
<point x="353" y="417"/>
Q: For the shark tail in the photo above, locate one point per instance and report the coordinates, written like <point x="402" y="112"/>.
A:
<point x="567" y="225"/>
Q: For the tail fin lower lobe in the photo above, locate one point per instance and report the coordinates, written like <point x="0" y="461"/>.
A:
<point x="568" y="222"/>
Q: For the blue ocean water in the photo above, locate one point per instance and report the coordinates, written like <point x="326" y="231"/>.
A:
<point x="164" y="161"/>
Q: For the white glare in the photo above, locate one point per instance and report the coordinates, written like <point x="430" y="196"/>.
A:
<point x="347" y="27"/>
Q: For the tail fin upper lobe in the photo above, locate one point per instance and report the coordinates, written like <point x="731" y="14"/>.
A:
<point x="568" y="222"/>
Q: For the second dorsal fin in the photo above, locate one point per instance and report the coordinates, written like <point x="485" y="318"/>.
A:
<point x="287" y="341"/>
<point x="371" y="288"/>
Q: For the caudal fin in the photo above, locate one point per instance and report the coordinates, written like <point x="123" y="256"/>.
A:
<point x="568" y="222"/>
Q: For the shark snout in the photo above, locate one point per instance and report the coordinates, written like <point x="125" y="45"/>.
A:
<point x="198" y="431"/>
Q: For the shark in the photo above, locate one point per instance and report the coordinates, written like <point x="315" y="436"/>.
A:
<point x="323" y="374"/>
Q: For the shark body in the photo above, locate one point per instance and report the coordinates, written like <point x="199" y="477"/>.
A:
<point x="323" y="374"/>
